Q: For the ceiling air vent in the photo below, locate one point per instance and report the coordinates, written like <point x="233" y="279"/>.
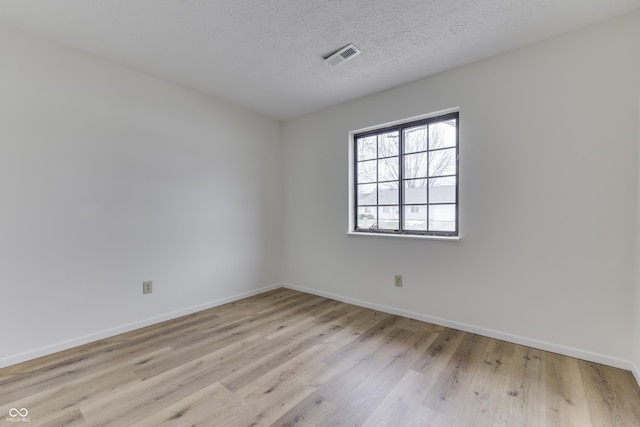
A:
<point x="344" y="54"/>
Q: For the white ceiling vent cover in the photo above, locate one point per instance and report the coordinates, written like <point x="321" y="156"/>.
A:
<point x="342" y="55"/>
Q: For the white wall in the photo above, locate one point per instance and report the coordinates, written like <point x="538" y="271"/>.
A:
<point x="636" y="330"/>
<point x="549" y="137"/>
<point x="109" y="177"/>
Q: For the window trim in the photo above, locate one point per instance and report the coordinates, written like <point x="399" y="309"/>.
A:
<point x="399" y="126"/>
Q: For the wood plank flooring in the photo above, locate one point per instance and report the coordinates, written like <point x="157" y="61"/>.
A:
<point x="286" y="358"/>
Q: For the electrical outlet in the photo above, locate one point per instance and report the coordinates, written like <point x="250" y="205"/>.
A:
<point x="398" y="280"/>
<point x="147" y="287"/>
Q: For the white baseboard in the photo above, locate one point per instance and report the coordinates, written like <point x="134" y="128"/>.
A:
<point x="65" y="345"/>
<point x="516" y="339"/>
<point x="542" y="345"/>
<point x="636" y="372"/>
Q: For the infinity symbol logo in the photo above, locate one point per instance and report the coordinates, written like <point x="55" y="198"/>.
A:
<point x="15" y="413"/>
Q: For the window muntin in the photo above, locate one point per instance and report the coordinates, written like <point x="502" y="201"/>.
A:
<point x="406" y="178"/>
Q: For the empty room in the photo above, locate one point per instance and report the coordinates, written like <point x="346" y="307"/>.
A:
<point x="323" y="213"/>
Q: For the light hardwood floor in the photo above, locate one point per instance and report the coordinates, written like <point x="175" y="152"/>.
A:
<point x="287" y="358"/>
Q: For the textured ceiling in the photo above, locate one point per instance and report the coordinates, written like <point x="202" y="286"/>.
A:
<point x="266" y="55"/>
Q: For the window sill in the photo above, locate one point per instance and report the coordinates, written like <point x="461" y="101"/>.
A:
<point x="404" y="236"/>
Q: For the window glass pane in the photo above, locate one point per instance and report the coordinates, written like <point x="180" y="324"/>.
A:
<point x="366" y="148"/>
<point x="367" y="194"/>
<point x="388" y="144"/>
<point x="415" y="218"/>
<point x="442" y="218"/>
<point x="367" y="171"/>
<point x="388" y="193"/>
<point x="415" y="165"/>
<point x="442" y="162"/>
<point x="388" y="169"/>
<point x="415" y="191"/>
<point x="367" y="217"/>
<point x="415" y="139"/>
<point x="442" y="134"/>
<point x="442" y="190"/>
<point x="390" y="220"/>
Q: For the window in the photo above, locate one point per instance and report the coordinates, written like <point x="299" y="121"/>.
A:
<point x="406" y="178"/>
